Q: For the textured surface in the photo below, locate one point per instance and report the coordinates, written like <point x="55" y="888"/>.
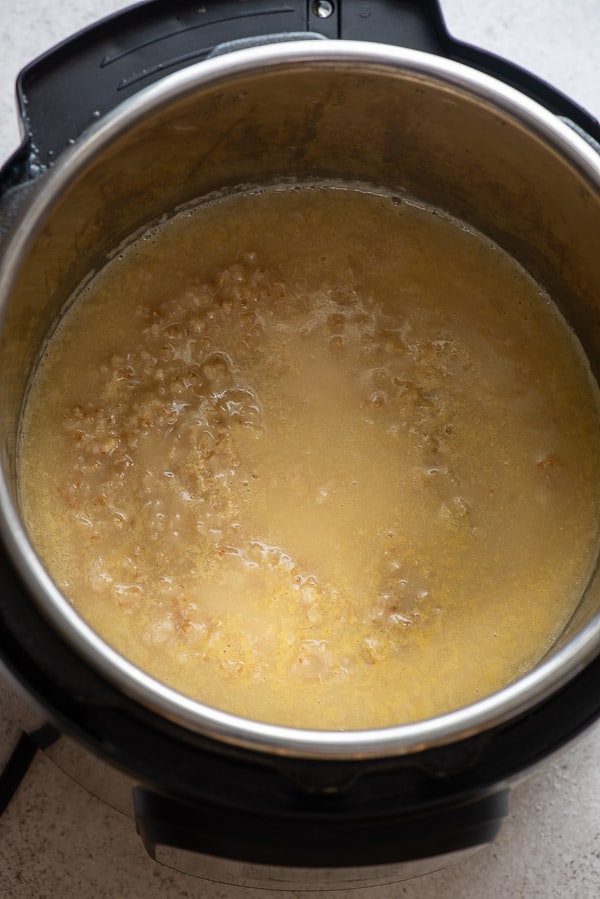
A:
<point x="57" y="840"/>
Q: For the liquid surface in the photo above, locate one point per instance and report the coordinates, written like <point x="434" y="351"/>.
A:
<point x="317" y="458"/>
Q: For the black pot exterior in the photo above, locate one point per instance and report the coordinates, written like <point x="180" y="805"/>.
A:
<point x="457" y="141"/>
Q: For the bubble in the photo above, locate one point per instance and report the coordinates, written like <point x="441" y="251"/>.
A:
<point x="216" y="370"/>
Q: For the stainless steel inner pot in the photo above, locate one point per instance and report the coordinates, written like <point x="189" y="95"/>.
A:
<point x="407" y="121"/>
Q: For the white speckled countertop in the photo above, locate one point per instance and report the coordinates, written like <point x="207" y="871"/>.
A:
<point x="58" y="840"/>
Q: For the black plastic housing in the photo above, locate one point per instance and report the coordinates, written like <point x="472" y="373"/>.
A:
<point x="196" y="793"/>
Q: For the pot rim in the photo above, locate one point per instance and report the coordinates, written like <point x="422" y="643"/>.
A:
<point x="529" y="690"/>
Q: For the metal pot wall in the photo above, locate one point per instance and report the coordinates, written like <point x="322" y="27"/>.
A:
<point x="417" y="125"/>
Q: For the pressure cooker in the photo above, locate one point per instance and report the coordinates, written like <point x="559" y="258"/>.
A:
<point x="165" y="103"/>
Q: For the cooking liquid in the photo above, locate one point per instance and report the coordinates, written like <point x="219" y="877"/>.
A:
<point x="317" y="457"/>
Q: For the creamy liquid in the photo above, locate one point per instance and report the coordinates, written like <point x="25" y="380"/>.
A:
<point x="318" y="458"/>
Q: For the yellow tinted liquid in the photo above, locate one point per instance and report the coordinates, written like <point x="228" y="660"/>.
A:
<point x="317" y="458"/>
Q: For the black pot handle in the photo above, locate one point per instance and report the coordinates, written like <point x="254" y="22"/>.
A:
<point x="329" y="840"/>
<point x="63" y="92"/>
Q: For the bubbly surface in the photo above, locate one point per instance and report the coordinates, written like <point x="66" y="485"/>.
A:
<point x="317" y="457"/>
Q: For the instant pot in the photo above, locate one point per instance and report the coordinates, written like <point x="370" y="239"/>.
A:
<point x="146" y="112"/>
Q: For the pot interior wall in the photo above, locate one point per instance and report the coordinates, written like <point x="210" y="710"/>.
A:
<point x="409" y="131"/>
